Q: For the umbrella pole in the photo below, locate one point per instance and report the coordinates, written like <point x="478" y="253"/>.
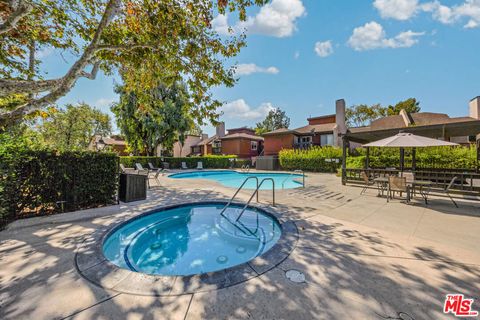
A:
<point x="367" y="160"/>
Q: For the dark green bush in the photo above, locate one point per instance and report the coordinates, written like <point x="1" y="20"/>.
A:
<point x="212" y="162"/>
<point x="312" y="159"/>
<point x="32" y="182"/>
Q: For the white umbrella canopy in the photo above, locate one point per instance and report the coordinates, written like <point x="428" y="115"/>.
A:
<point x="409" y="140"/>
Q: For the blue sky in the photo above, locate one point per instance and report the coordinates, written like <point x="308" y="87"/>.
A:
<point x="302" y="55"/>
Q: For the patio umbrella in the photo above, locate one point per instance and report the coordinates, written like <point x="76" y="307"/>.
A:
<point x="407" y="140"/>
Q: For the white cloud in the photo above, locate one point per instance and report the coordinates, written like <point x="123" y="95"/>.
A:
<point x="277" y="19"/>
<point x="373" y="36"/>
<point x="396" y="9"/>
<point x="44" y="52"/>
<point x="469" y="10"/>
<point x="324" y="49"/>
<point x="220" y="25"/>
<point x="104" y="102"/>
<point x="239" y="109"/>
<point x="249" y="68"/>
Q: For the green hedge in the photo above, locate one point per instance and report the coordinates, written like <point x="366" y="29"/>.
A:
<point x="434" y="157"/>
<point x="212" y="162"/>
<point x="32" y="182"/>
<point x="312" y="159"/>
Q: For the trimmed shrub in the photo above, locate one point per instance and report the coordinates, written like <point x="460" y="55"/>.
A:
<point x="210" y="161"/>
<point x="434" y="157"/>
<point x="312" y="159"/>
<point x="33" y="182"/>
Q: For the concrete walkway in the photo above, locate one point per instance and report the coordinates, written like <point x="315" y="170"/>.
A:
<point x="362" y="258"/>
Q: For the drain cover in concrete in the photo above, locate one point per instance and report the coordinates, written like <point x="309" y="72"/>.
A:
<point x="295" y="276"/>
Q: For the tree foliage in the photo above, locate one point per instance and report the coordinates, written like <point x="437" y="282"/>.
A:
<point x="362" y="115"/>
<point x="73" y="127"/>
<point x="275" y="119"/>
<point x="152" y="117"/>
<point x="165" y="40"/>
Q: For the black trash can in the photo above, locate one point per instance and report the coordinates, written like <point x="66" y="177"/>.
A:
<point x="133" y="187"/>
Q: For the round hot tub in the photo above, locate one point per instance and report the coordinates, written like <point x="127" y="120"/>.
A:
<point x="192" y="239"/>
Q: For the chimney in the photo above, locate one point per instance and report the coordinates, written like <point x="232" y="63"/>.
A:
<point x="475" y="108"/>
<point x="204" y="136"/>
<point x="220" y="129"/>
<point x="340" y="116"/>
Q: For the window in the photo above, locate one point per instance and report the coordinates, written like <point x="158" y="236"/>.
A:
<point x="326" y="140"/>
<point x="253" y="145"/>
<point x="196" y="149"/>
<point x="307" y="139"/>
<point x="217" y="144"/>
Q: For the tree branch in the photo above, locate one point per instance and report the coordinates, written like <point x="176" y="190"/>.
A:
<point x="77" y="70"/>
<point x="23" y="8"/>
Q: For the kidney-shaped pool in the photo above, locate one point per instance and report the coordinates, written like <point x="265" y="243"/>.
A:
<point x="234" y="179"/>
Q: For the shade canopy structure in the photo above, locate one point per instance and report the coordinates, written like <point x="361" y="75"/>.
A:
<point x="409" y="140"/>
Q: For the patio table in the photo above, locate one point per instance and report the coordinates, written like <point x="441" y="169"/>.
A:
<point x="424" y="187"/>
<point x="382" y="184"/>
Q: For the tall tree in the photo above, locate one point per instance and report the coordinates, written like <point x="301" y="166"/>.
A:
<point x="410" y="105"/>
<point x="154" y="117"/>
<point x="362" y="115"/>
<point x="275" y="119"/>
<point x="167" y="39"/>
<point x="74" y="127"/>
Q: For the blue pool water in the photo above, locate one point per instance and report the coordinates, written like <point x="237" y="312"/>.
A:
<point x="234" y="179"/>
<point x="191" y="239"/>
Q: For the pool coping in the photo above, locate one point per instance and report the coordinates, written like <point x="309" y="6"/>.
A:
<point x="92" y="265"/>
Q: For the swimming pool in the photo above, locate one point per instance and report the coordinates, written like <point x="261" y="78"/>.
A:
<point x="191" y="239"/>
<point x="234" y="179"/>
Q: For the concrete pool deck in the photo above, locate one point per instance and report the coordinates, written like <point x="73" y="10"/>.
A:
<point x="362" y="258"/>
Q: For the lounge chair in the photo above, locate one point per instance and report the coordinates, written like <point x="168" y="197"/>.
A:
<point x="184" y="166"/>
<point x="123" y="169"/>
<point x="152" y="167"/>
<point x="140" y="169"/>
<point x="367" y="182"/>
<point x="199" y="165"/>
<point x="447" y="190"/>
<point x="397" y="184"/>
<point x="165" y="165"/>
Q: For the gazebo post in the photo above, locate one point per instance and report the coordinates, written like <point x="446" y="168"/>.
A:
<point x="414" y="159"/>
<point x="402" y="159"/>
<point x="367" y="160"/>
<point x="344" y="160"/>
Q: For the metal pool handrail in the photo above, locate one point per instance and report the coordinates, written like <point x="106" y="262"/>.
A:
<point x="238" y="190"/>
<point x="256" y="193"/>
<point x="292" y="173"/>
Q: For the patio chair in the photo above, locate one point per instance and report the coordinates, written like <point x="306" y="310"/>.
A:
<point x="366" y="180"/>
<point x="165" y="165"/>
<point x="184" y="166"/>
<point x="447" y="190"/>
<point x="397" y="184"/>
<point x="199" y="165"/>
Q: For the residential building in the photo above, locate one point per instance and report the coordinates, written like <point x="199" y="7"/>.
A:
<point x="113" y="143"/>
<point x="320" y="131"/>
<point x="242" y="142"/>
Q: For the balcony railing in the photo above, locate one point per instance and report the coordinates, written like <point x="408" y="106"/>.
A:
<point x="217" y="150"/>
<point x="304" y="145"/>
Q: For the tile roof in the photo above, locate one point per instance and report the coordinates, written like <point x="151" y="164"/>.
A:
<point x="242" y="135"/>
<point x="315" y="128"/>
